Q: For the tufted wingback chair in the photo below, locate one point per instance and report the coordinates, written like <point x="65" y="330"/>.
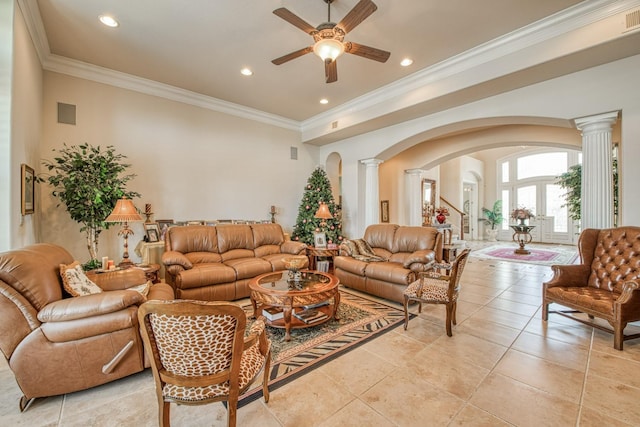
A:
<point x="605" y="284"/>
<point x="201" y="355"/>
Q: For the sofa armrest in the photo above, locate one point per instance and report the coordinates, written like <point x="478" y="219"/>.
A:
<point x="427" y="256"/>
<point x="630" y="295"/>
<point x="569" y="275"/>
<point x="293" y="248"/>
<point x="172" y="258"/>
<point x="89" y="305"/>
<point x="120" y="279"/>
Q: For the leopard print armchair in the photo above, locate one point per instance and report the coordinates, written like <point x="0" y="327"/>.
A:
<point x="201" y="355"/>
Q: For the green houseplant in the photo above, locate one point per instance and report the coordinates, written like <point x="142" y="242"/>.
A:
<point x="89" y="181"/>
<point x="494" y="218"/>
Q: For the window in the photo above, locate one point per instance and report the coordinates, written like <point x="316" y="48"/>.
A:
<point x="544" y="164"/>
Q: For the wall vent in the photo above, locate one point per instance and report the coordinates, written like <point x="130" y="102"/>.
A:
<point x="294" y="153"/>
<point x="632" y="21"/>
<point x="334" y="125"/>
<point x="66" y="113"/>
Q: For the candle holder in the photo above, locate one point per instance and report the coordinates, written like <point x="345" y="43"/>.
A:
<point x="272" y="212"/>
<point x="148" y="215"/>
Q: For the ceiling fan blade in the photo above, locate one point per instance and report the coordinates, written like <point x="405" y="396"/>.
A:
<point x="292" y="55"/>
<point x="330" y="71"/>
<point x="359" y="13"/>
<point x="366" y="51"/>
<point x="294" y="20"/>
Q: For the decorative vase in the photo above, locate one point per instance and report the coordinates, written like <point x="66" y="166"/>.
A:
<point x="492" y="234"/>
<point x="441" y="218"/>
<point x="522" y="221"/>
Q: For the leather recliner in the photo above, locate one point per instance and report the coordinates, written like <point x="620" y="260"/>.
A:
<point x="57" y="344"/>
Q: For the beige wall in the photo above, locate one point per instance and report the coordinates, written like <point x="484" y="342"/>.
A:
<point x="191" y="163"/>
<point x="26" y="130"/>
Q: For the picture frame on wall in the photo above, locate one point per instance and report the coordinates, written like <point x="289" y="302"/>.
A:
<point x="320" y="240"/>
<point x="384" y="211"/>
<point x="28" y="181"/>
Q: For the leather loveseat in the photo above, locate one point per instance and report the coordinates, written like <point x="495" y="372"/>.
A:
<point x="57" y="344"/>
<point x="214" y="263"/>
<point x="398" y="254"/>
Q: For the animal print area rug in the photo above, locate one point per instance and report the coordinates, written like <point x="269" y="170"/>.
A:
<point x="361" y="320"/>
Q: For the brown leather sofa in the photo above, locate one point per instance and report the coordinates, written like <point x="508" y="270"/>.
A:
<point x="605" y="284"/>
<point x="216" y="263"/>
<point x="57" y="344"/>
<point x="405" y="251"/>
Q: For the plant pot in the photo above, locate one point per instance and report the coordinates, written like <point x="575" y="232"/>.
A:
<point x="492" y="234"/>
<point x="441" y="218"/>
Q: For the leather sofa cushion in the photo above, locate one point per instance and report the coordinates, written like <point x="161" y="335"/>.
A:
<point x="249" y="267"/>
<point x="237" y="254"/>
<point x="349" y="264"/>
<point x="389" y="272"/>
<point x="194" y="238"/>
<point x="267" y="234"/>
<point x="277" y="260"/>
<point x="160" y="291"/>
<point x="211" y="274"/>
<point x="616" y="259"/>
<point x="203" y="257"/>
<point x="265" y="250"/>
<point x="600" y="300"/>
<point x="235" y="236"/>
<point x="411" y="239"/>
<point x="381" y="236"/>
<point x="34" y="272"/>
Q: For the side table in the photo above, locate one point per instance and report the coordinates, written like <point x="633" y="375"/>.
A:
<point x="522" y="236"/>
<point x="315" y="253"/>
<point x="150" y="271"/>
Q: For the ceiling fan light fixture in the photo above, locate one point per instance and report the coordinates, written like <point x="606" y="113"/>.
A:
<point x="109" y="21"/>
<point x="329" y="49"/>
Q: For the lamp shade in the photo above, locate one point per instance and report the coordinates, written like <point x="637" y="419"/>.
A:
<point x="124" y="211"/>
<point x="328" y="49"/>
<point x="323" y="212"/>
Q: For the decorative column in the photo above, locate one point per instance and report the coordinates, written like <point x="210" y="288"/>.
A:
<point x="414" y="196"/>
<point x="372" y="192"/>
<point x="597" y="174"/>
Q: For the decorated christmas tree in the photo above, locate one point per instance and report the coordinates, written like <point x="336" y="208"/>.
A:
<point x="318" y="190"/>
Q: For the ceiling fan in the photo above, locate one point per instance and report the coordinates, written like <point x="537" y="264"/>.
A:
<point x="329" y="37"/>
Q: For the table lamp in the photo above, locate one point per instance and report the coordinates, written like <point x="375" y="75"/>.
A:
<point x="124" y="212"/>
<point x="323" y="213"/>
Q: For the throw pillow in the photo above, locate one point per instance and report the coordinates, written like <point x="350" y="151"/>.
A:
<point x="143" y="289"/>
<point x="75" y="282"/>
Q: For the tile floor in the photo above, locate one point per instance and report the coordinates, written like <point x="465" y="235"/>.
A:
<point x="503" y="366"/>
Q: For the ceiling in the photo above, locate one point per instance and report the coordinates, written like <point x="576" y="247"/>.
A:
<point x="201" y="45"/>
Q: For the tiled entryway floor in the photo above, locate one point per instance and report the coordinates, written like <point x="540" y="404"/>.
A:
<point x="503" y="366"/>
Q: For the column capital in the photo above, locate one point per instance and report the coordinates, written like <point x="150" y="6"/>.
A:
<point x="413" y="171"/>
<point x="371" y="162"/>
<point x="599" y="122"/>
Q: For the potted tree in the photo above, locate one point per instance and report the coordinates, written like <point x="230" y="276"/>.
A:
<point x="493" y="217"/>
<point x="89" y="181"/>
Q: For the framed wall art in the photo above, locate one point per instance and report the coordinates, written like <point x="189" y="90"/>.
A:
<point x="384" y="211"/>
<point x="28" y="189"/>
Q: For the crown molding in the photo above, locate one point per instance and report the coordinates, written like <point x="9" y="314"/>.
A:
<point x="570" y="19"/>
<point x="580" y="15"/>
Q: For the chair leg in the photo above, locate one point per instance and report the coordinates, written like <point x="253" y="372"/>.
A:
<point x="618" y="336"/>
<point x="448" y="321"/>
<point x="232" y="411"/>
<point x="406" y="312"/>
<point x="164" y="415"/>
<point x="545" y="311"/>
<point x="454" y="308"/>
<point x="265" y="378"/>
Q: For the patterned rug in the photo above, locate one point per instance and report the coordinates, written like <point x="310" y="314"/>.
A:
<point x="540" y="254"/>
<point x="360" y="321"/>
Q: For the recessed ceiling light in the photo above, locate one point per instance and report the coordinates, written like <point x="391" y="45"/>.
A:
<point x="406" y="62"/>
<point x="324" y="101"/>
<point x="109" y="21"/>
<point x="246" y="72"/>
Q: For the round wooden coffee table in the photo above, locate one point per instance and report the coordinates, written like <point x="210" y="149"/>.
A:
<point x="312" y="293"/>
